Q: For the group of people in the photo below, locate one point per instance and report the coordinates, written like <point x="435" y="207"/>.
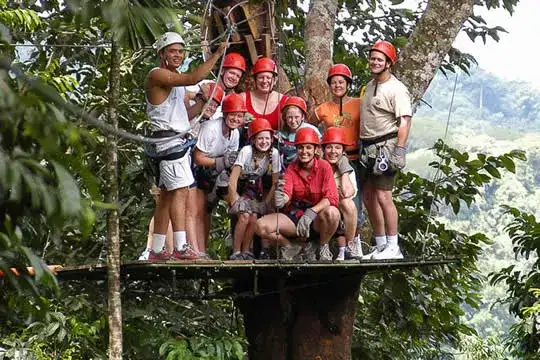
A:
<point x="294" y="179"/>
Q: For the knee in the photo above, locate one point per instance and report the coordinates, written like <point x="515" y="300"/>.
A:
<point x="347" y="207"/>
<point x="384" y="197"/>
<point x="243" y="218"/>
<point x="330" y="215"/>
<point x="261" y="227"/>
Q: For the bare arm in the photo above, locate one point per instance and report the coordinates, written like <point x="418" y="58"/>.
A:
<point x="201" y="159"/>
<point x="403" y="131"/>
<point x="321" y="205"/>
<point x="168" y="79"/>
<point x="232" y="196"/>
<point x="347" y="188"/>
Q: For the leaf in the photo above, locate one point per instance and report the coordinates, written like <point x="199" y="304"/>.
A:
<point x="492" y="170"/>
<point x="70" y="198"/>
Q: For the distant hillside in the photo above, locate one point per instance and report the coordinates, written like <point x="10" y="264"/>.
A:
<point x="507" y="118"/>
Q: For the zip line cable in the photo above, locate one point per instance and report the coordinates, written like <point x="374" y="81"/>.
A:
<point x="435" y="180"/>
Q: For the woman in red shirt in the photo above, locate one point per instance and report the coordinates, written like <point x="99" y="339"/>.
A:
<point x="264" y="102"/>
<point x="309" y="197"/>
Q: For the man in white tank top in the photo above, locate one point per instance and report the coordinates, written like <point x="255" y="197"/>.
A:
<point x="168" y="115"/>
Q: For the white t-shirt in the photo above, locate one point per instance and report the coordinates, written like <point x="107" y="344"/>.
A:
<point x="212" y="142"/>
<point x="245" y="161"/>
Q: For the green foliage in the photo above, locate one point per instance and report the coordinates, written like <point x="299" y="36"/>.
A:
<point x="523" y="283"/>
<point x="418" y="314"/>
<point x="203" y="348"/>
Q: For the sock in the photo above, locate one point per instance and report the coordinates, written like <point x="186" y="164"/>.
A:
<point x="179" y="239"/>
<point x="380" y="240"/>
<point x="392" y="239"/>
<point x="342" y="251"/>
<point x="237" y="252"/>
<point x="158" y="242"/>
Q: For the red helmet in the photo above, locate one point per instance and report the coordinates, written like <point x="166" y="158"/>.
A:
<point x="306" y="135"/>
<point x="258" y="125"/>
<point x="339" y="69"/>
<point x="218" y="94"/>
<point x="233" y="103"/>
<point x="387" y="49"/>
<point x="264" y="64"/>
<point x="334" y="135"/>
<point x="295" y="101"/>
<point x="234" y="60"/>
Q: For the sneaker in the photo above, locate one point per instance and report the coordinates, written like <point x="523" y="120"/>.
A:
<point x="264" y="255"/>
<point x="290" y="251"/>
<point x="204" y="256"/>
<point x="372" y="251"/>
<point x="310" y="252"/>
<point x="354" y="249"/>
<point x="145" y="254"/>
<point x="341" y="256"/>
<point x="187" y="253"/>
<point x="248" y="255"/>
<point x="159" y="256"/>
<point x="237" y="256"/>
<point x="325" y="254"/>
<point x="389" y="252"/>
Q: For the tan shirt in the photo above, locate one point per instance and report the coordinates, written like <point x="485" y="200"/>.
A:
<point x="380" y="112"/>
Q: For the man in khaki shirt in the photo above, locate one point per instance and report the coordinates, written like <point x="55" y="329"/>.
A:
<point x="385" y="113"/>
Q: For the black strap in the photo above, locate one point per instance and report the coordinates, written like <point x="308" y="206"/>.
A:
<point x="163" y="133"/>
<point x="379" y="139"/>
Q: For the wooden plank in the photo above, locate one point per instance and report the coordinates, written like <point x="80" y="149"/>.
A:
<point x="267" y="45"/>
<point x="219" y="23"/>
<point x="253" y="14"/>
<point x="252" y="49"/>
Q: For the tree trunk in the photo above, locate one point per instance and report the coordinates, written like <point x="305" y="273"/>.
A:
<point x="319" y="43"/>
<point x="113" y="226"/>
<point x="304" y="318"/>
<point x="430" y="42"/>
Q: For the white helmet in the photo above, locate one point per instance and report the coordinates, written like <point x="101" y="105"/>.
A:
<point x="167" y="39"/>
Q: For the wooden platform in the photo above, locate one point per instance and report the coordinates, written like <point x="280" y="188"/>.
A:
<point x="217" y="269"/>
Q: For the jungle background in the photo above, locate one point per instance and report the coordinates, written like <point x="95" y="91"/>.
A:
<point x="471" y="193"/>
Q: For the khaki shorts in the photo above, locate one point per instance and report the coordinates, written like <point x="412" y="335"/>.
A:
<point x="175" y="174"/>
<point x="384" y="181"/>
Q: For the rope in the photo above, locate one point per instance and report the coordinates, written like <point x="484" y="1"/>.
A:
<point x="439" y="164"/>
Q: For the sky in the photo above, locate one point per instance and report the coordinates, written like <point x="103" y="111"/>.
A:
<point x="504" y="58"/>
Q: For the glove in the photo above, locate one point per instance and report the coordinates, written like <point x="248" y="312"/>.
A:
<point x="229" y="158"/>
<point x="397" y="158"/>
<point x="280" y="199"/>
<point x="343" y="165"/>
<point x="304" y="224"/>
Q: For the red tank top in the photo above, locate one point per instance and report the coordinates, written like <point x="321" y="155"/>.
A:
<point x="272" y="117"/>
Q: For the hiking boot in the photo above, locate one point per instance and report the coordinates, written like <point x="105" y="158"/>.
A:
<point x="159" y="256"/>
<point x="145" y="254"/>
<point x="187" y="253"/>
<point x="310" y="252"/>
<point x="391" y="251"/>
<point x="354" y="249"/>
<point x="325" y="254"/>
<point x="237" y="256"/>
<point x="290" y="251"/>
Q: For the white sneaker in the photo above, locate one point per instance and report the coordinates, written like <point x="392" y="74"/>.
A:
<point x="354" y="249"/>
<point x="372" y="251"/>
<point x="310" y="252"/>
<point x="290" y="251"/>
<point x="341" y="256"/>
<point x="324" y="253"/>
<point x="390" y="252"/>
<point x="145" y="254"/>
